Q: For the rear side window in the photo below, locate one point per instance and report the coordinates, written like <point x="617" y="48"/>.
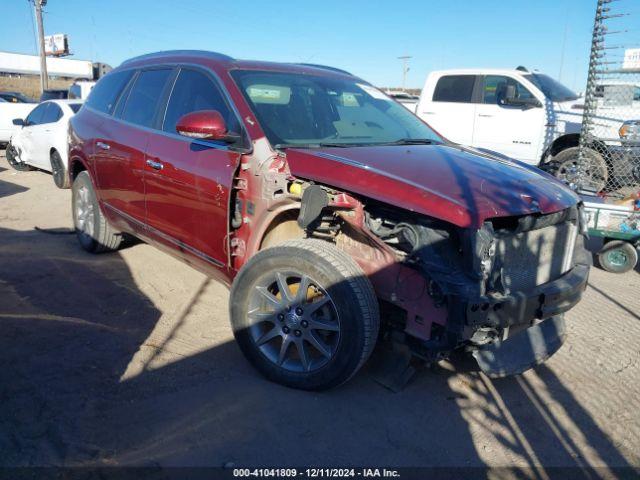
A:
<point x="75" y="91"/>
<point x="143" y="100"/>
<point x="454" y="88"/>
<point x="195" y="91"/>
<point x="75" y="107"/>
<point x="105" y="94"/>
<point x="52" y="114"/>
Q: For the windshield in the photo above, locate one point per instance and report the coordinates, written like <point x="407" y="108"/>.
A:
<point x="313" y="111"/>
<point x="552" y="89"/>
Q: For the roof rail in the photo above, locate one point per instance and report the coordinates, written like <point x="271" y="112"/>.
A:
<point x="324" y="67"/>
<point x="197" y="53"/>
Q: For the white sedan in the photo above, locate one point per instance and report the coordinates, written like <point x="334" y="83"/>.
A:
<point x="42" y="140"/>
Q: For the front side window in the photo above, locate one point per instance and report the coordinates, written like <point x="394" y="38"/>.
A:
<point x="454" y="88"/>
<point x="35" y="117"/>
<point x="315" y="110"/>
<point x="194" y="91"/>
<point x="106" y="92"/>
<point x="552" y="89"/>
<point x="143" y="100"/>
<point x="494" y="89"/>
<point x="52" y="114"/>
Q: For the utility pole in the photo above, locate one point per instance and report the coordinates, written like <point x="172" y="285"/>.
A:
<point x="44" y="76"/>
<point x="405" y="69"/>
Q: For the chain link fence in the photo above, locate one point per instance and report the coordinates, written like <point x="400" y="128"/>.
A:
<point x="608" y="159"/>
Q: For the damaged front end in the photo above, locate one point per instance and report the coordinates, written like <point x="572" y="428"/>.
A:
<point x="498" y="291"/>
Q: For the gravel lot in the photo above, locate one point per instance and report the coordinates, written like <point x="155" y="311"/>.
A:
<point x="128" y="359"/>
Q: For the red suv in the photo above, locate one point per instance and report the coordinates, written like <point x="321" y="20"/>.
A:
<point x="337" y="216"/>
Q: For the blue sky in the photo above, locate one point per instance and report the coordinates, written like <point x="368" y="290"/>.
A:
<point x="364" y="37"/>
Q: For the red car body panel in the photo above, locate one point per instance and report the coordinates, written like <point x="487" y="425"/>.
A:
<point x="442" y="181"/>
<point x="188" y="200"/>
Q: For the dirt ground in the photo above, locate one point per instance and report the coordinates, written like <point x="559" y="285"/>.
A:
<point x="128" y="359"/>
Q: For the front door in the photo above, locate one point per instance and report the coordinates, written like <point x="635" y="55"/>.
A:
<point x="25" y="137"/>
<point x="188" y="182"/>
<point x="515" y="131"/>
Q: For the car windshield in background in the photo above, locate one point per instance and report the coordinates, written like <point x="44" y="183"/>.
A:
<point x="297" y="110"/>
<point x="552" y="89"/>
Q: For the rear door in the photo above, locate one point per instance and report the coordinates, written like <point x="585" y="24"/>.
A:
<point x="451" y="110"/>
<point x="515" y="131"/>
<point x="119" y="150"/>
<point x="188" y="186"/>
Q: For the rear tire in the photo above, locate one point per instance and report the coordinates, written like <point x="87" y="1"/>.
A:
<point x="13" y="159"/>
<point x="59" y="173"/>
<point x="312" y="339"/>
<point x="92" y="229"/>
<point x="618" y="256"/>
<point x="564" y="166"/>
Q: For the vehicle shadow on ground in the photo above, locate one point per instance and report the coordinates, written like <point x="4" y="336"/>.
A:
<point x="7" y="188"/>
<point x="73" y="322"/>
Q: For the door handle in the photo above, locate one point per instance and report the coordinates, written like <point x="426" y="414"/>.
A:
<point x="103" y="146"/>
<point x="484" y="115"/>
<point x="429" y="113"/>
<point x="155" y="165"/>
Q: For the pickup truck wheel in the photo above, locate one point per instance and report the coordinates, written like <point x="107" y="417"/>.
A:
<point x="92" y="229"/>
<point x="13" y="159"/>
<point x="304" y="314"/>
<point x="565" y="167"/>
<point x="59" y="173"/>
<point x="618" y="256"/>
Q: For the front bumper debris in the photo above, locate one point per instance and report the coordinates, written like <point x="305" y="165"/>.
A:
<point x="522" y="351"/>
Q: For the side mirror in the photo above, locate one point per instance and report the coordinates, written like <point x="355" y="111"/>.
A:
<point x="18" y="122"/>
<point x="511" y="99"/>
<point x="205" y="125"/>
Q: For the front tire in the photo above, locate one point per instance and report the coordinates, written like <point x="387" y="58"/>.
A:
<point x="59" y="173"/>
<point x="304" y="314"/>
<point x="92" y="229"/>
<point x="618" y="256"/>
<point x="13" y="159"/>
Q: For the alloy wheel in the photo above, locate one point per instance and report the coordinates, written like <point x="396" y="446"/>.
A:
<point x="294" y="321"/>
<point x="85" y="215"/>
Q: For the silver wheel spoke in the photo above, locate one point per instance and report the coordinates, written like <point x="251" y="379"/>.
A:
<point x="302" y="353"/>
<point x="285" y="293"/>
<point x="261" y="316"/>
<point x="301" y="295"/>
<point x="269" y="296"/>
<point x="318" y="344"/>
<point x="314" y="306"/>
<point x="321" y="324"/>
<point x="286" y="341"/>
<point x="270" y="335"/>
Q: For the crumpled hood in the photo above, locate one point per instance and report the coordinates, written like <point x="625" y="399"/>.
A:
<point x="455" y="184"/>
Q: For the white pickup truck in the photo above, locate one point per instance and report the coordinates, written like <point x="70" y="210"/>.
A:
<point x="525" y="115"/>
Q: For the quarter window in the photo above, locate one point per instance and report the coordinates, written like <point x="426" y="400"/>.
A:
<point x="143" y="100"/>
<point x="195" y="91"/>
<point x="105" y="94"/>
<point x="454" y="88"/>
<point x="494" y="89"/>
